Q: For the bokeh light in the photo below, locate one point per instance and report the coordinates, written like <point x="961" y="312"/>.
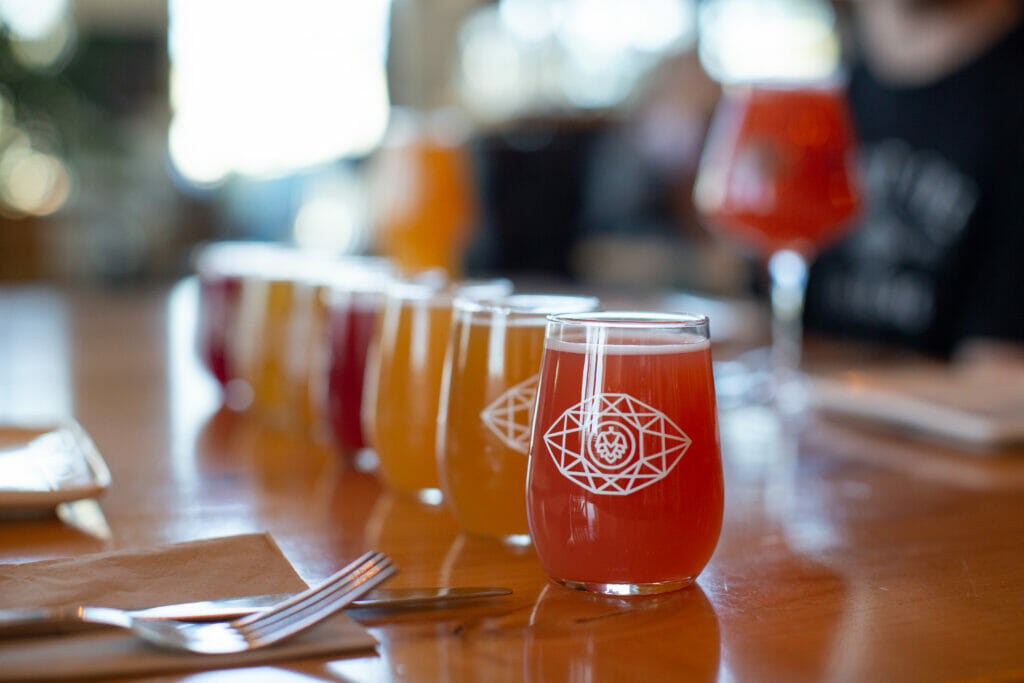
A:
<point x="263" y="89"/>
<point x="536" y="55"/>
<point x="32" y="182"/>
<point x="742" y="40"/>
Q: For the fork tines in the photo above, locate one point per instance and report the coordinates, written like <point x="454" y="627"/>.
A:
<point x="320" y="601"/>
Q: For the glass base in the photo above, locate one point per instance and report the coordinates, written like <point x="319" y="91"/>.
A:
<point x="753" y="380"/>
<point x="429" y="496"/>
<point x="516" y="540"/>
<point x="365" y="460"/>
<point x="627" y="589"/>
<point x="512" y="541"/>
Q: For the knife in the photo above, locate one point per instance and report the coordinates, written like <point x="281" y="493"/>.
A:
<point x="38" y="621"/>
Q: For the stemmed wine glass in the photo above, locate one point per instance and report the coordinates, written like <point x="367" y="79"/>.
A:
<point x="778" y="175"/>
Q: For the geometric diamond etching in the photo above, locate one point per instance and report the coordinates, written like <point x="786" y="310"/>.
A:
<point x="508" y="416"/>
<point x="613" y="444"/>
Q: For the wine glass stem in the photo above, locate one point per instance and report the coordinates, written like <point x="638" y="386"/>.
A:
<point x="788" y="272"/>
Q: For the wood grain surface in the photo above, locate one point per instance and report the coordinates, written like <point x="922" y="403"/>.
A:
<point x="848" y="553"/>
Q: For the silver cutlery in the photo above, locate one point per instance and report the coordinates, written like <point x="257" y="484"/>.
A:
<point x="258" y="629"/>
<point x="43" y="621"/>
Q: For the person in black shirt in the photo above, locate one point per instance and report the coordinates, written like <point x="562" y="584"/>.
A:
<point x="936" y="258"/>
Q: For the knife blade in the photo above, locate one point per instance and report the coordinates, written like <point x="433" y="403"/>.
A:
<point x="30" y="621"/>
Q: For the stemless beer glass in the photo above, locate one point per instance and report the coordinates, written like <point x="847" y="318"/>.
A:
<point x="267" y="344"/>
<point x="487" y="395"/>
<point x="353" y="307"/>
<point x="624" y="486"/>
<point x="400" y="406"/>
<point x="219" y="269"/>
<point x="222" y="269"/>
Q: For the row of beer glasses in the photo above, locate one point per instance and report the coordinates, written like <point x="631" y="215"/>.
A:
<point x="266" y="317"/>
<point x="405" y="375"/>
<point x="534" y="417"/>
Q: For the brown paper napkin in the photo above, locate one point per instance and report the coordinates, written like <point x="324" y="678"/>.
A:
<point x="228" y="567"/>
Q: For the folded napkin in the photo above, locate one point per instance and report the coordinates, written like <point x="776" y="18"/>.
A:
<point x="210" y="569"/>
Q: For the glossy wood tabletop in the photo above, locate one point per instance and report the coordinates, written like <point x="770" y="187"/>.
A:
<point x="847" y="553"/>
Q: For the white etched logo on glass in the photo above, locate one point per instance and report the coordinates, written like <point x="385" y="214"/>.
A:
<point x="613" y="444"/>
<point x="509" y="415"/>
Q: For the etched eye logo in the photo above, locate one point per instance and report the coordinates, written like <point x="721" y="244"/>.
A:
<point x="508" y="416"/>
<point x="613" y="444"/>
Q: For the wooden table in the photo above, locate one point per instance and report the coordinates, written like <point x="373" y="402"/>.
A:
<point x="847" y="554"/>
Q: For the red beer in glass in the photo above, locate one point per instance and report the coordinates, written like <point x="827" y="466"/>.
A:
<point x="778" y="171"/>
<point x="221" y="268"/>
<point x="624" y="485"/>
<point x="218" y="301"/>
<point x="352" y="320"/>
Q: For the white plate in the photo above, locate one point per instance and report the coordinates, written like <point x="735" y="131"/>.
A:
<point x="47" y="464"/>
<point x="972" y="403"/>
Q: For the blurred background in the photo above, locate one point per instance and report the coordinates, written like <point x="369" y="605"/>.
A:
<point x="555" y="139"/>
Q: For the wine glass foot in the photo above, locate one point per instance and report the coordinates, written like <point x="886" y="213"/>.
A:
<point x="753" y="379"/>
<point x="746" y="380"/>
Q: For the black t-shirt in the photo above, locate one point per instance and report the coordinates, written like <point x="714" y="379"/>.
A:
<point x="937" y="254"/>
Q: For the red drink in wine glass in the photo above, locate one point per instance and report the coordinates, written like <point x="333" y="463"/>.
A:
<point x="778" y="171"/>
<point x="778" y="176"/>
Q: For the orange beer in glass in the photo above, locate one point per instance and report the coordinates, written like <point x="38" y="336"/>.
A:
<point x="490" y="381"/>
<point x="280" y="341"/>
<point x="265" y="347"/>
<point x="624" y="488"/>
<point x="422" y="179"/>
<point x="404" y="381"/>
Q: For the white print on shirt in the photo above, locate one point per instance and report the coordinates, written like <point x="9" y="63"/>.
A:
<point x="919" y="206"/>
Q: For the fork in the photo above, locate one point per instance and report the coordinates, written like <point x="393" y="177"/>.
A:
<point x="257" y="630"/>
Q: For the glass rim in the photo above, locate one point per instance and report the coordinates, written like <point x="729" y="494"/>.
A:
<point x="825" y="82"/>
<point x="279" y="263"/>
<point x="447" y="291"/>
<point x="366" y="285"/>
<point x="541" y="305"/>
<point x="625" y="319"/>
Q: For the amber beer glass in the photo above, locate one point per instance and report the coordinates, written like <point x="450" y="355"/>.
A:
<point x="404" y="380"/>
<point x="487" y="395"/>
<point x="423" y="183"/>
<point x="268" y="346"/>
<point x="222" y="269"/>
<point x="624" y="488"/>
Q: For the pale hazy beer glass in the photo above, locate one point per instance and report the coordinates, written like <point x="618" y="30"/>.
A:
<point x="487" y="397"/>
